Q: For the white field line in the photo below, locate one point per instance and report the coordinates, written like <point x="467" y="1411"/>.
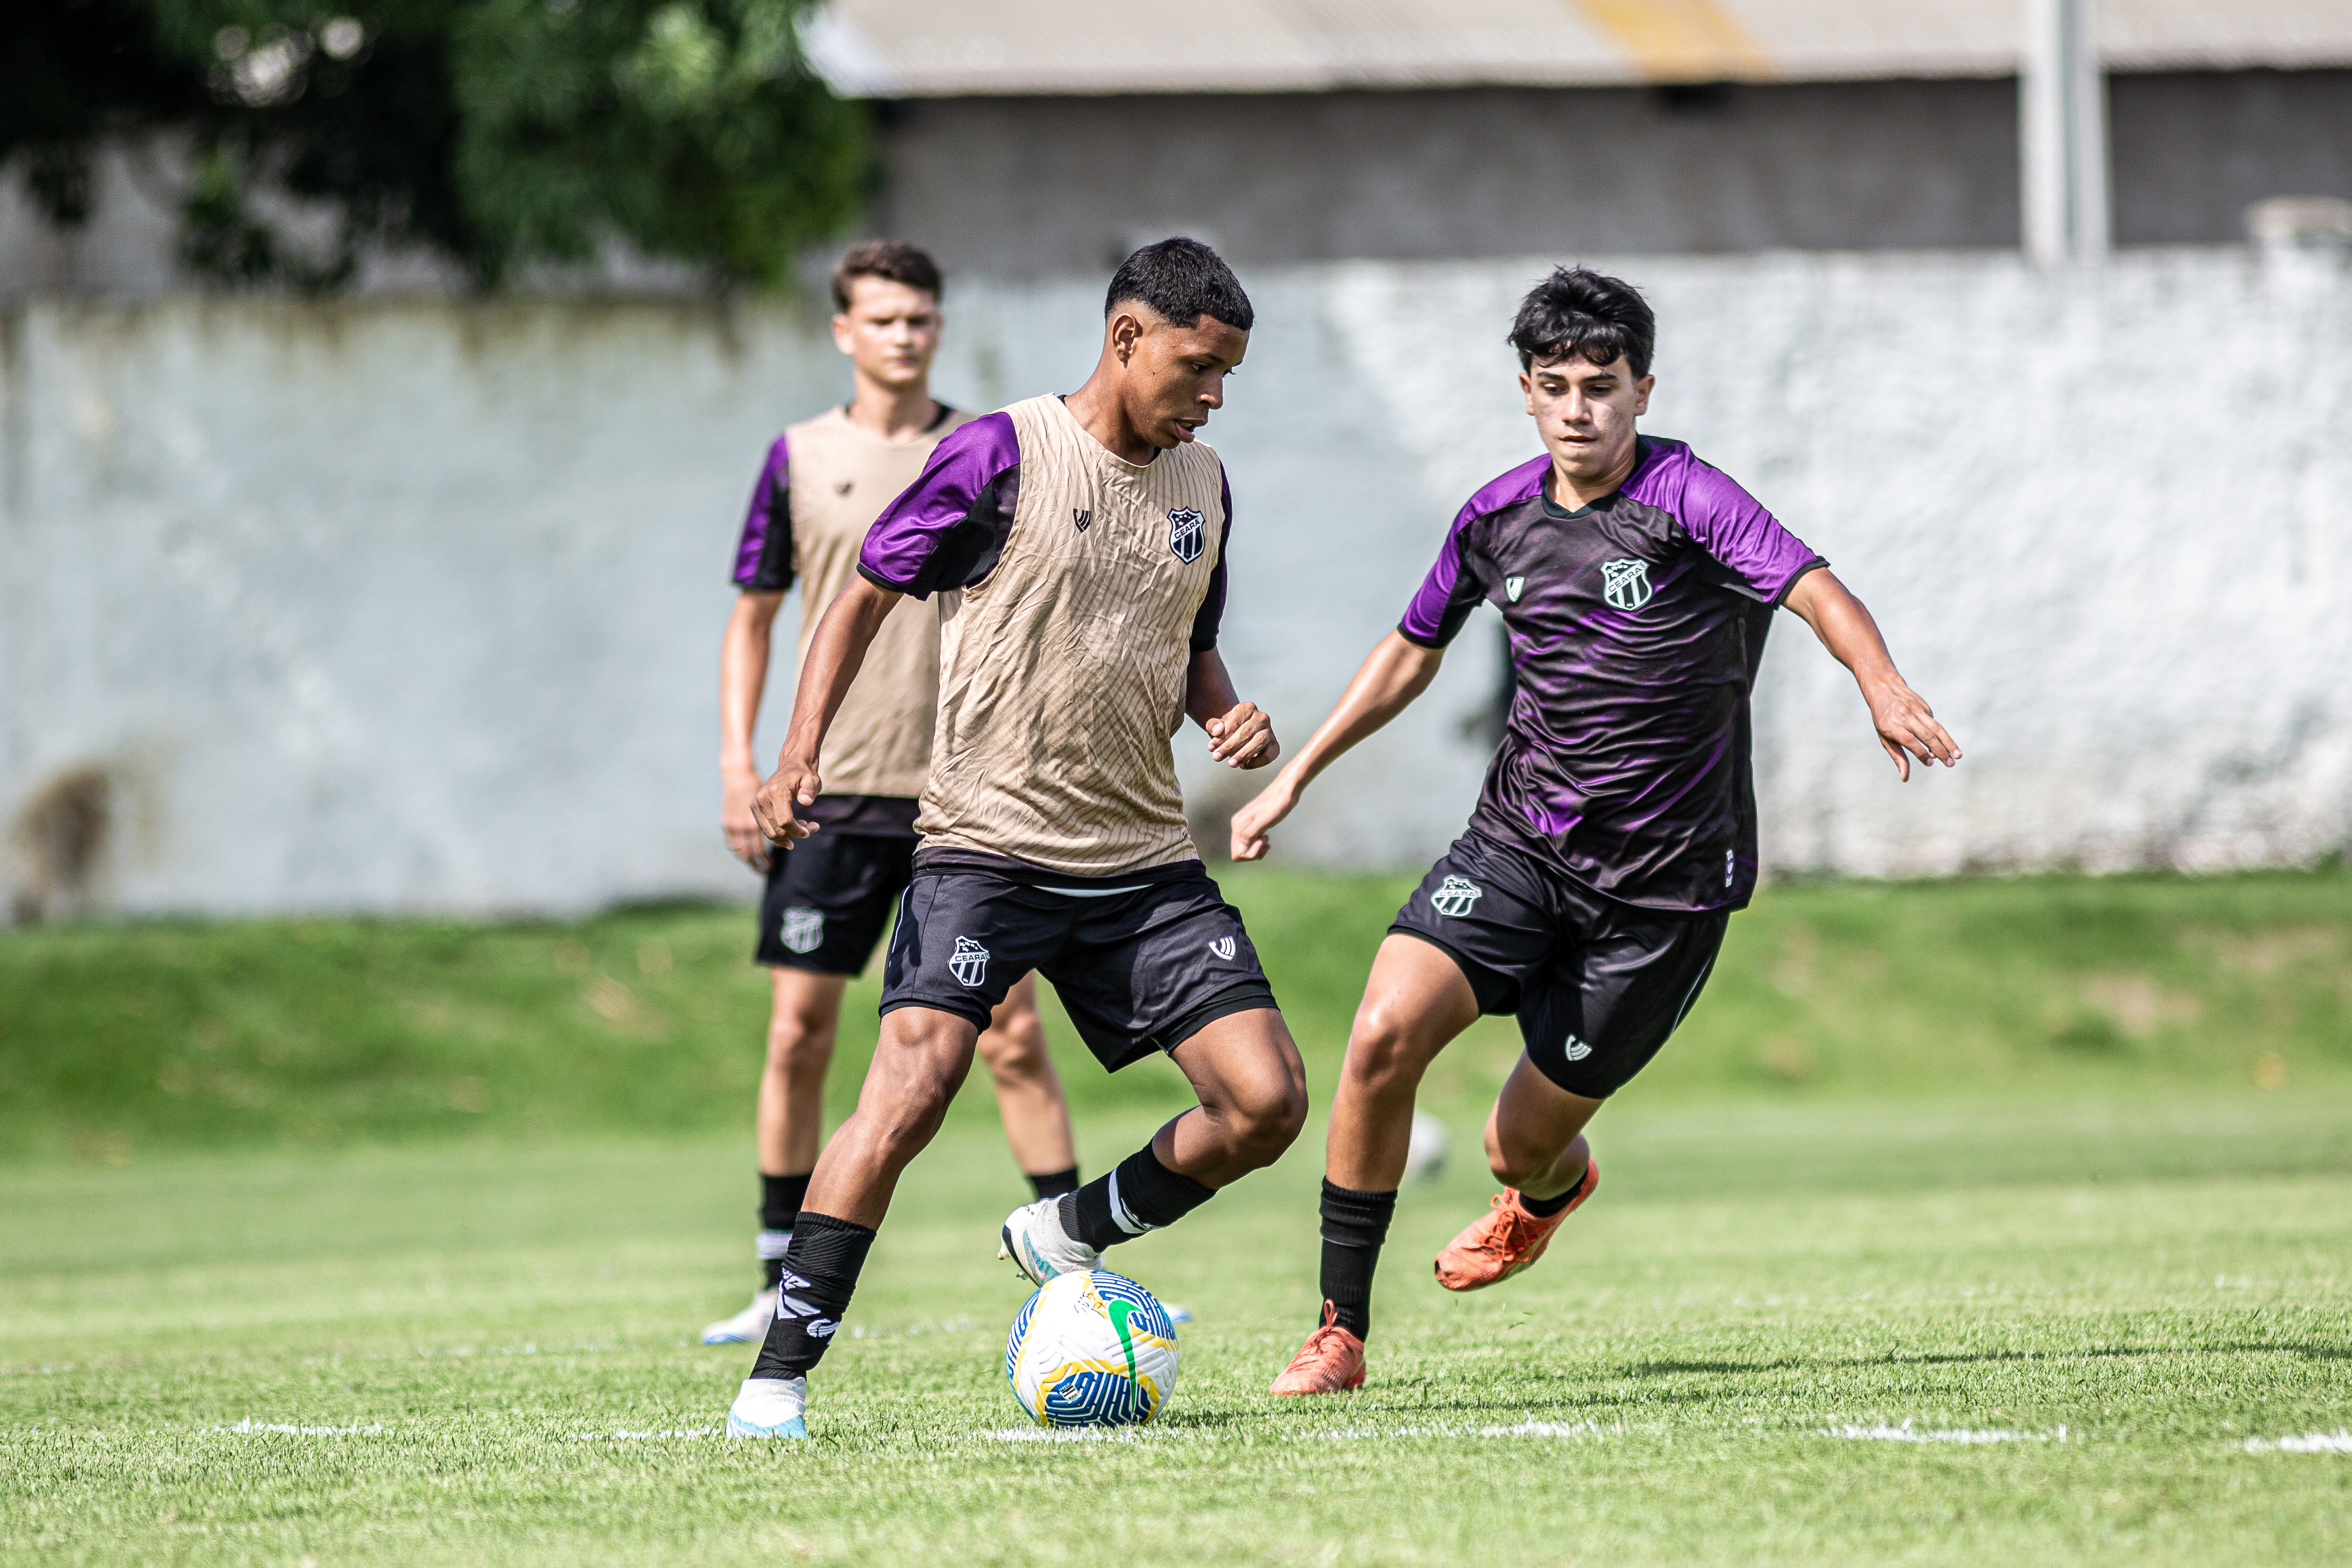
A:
<point x="1908" y="1434"/>
<point x="249" y="1428"/>
<point x="1335" y="1434"/>
<point x="2337" y="1442"/>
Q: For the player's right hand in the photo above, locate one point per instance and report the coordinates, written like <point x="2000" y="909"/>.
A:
<point x="795" y="784"/>
<point x="1252" y="822"/>
<point x="738" y="787"/>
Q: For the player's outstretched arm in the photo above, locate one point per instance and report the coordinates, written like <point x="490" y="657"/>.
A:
<point x="742" y="681"/>
<point x="833" y="657"/>
<point x="1240" y="736"/>
<point x="1907" y="726"/>
<point x="1395" y="672"/>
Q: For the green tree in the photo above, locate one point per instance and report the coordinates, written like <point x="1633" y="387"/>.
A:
<point x="495" y="131"/>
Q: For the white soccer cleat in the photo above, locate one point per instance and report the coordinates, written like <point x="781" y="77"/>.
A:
<point x="1039" y="1247"/>
<point x="747" y="1327"/>
<point x="769" y="1407"/>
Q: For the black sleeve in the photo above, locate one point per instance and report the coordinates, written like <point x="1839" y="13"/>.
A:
<point x="1211" y="613"/>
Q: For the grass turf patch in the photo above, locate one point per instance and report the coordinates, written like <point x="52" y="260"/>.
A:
<point x="2030" y="1332"/>
<point x="117" y="1039"/>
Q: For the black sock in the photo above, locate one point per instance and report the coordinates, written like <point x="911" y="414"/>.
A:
<point x="1354" y="1225"/>
<point x="1054" y="1183"/>
<point x="779" y="1200"/>
<point x="1544" y="1208"/>
<point x="820" y="1274"/>
<point x="1141" y="1194"/>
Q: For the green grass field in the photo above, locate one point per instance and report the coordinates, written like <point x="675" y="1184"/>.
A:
<point x="2003" y="1221"/>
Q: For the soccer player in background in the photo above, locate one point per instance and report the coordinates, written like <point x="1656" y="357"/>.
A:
<point x="1616" y="832"/>
<point x="829" y="900"/>
<point x="1080" y="546"/>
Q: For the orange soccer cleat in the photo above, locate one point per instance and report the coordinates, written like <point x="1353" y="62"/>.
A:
<point x="1504" y="1240"/>
<point x="1330" y="1361"/>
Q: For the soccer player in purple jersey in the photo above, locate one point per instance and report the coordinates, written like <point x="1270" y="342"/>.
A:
<point x="1616" y="832"/>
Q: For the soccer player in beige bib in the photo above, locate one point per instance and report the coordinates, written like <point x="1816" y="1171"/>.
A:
<point x="826" y="906"/>
<point x="1080" y="545"/>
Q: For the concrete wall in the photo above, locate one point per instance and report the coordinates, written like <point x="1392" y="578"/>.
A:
<point x="398" y="605"/>
<point x="1021" y="187"/>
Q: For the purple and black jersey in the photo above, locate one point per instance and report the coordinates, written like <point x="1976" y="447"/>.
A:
<point x="1636" y="626"/>
<point x="947" y="530"/>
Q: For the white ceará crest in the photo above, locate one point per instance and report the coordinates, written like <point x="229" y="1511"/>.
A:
<point x="1625" y="583"/>
<point x="1091" y="1350"/>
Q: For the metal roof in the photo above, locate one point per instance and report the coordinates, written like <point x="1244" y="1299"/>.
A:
<point x="944" y="48"/>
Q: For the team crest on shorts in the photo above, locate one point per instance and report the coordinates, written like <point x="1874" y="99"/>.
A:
<point x="1576" y="1051"/>
<point x="968" y="963"/>
<point x="1222" y="947"/>
<point x="1513" y="587"/>
<point x="804" y="929"/>
<point x="1625" y="583"/>
<point x="1455" y="896"/>
<point x="1188" y="533"/>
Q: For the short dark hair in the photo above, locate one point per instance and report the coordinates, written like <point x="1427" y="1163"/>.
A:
<point x="1577" y="313"/>
<point x="893" y="259"/>
<point x="1183" y="281"/>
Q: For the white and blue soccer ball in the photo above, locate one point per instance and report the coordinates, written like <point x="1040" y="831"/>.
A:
<point x="1091" y="1348"/>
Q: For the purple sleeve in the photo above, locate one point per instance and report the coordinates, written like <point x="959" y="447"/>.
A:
<point x="1448" y="594"/>
<point x="1211" y="613"/>
<point x="763" y="555"/>
<point x="1732" y="526"/>
<point x="946" y="529"/>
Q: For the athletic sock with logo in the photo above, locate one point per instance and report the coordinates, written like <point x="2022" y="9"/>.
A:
<point x="1141" y="1194"/>
<point x="1053" y="1184"/>
<point x="1355" y="1224"/>
<point x="820" y="1274"/>
<point x="779" y="1200"/>
<point x="1544" y="1208"/>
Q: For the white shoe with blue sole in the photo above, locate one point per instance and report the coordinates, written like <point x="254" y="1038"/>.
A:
<point x="769" y="1407"/>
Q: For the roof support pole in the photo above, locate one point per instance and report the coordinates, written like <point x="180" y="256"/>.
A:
<point x="2062" y="101"/>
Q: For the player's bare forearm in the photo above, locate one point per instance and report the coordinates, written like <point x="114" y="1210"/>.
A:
<point x="742" y="681"/>
<point x="1907" y="726"/>
<point x="1395" y="672"/>
<point x="1240" y="736"/>
<point x="834" y="655"/>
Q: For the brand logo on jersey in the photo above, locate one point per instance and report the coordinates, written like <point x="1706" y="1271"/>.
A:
<point x="1577" y="1050"/>
<point x="843" y="487"/>
<point x="1625" y="583"/>
<point x="1513" y="586"/>
<point x="1188" y="533"/>
<point x="804" y="929"/>
<point x="1729" y="864"/>
<point x="968" y="963"/>
<point x="1455" y="896"/>
<point x="1222" y="947"/>
<point x="1084" y="520"/>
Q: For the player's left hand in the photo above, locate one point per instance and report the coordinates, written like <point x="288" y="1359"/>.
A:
<point x="1907" y="727"/>
<point x="1242" y="738"/>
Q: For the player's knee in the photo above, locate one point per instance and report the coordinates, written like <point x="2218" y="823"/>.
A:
<point x="800" y="1042"/>
<point x="1382" y="1051"/>
<point x="1267" y="1120"/>
<point x="1014" y="1047"/>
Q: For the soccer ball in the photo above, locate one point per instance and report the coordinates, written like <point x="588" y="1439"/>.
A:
<point x="1091" y="1350"/>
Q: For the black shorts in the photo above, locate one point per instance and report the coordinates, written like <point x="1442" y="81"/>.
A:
<point x="1598" y="985"/>
<point x="828" y="898"/>
<point x="1143" y="961"/>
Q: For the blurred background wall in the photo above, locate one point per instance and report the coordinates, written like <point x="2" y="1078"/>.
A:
<point x="411" y="599"/>
<point x="390" y="605"/>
